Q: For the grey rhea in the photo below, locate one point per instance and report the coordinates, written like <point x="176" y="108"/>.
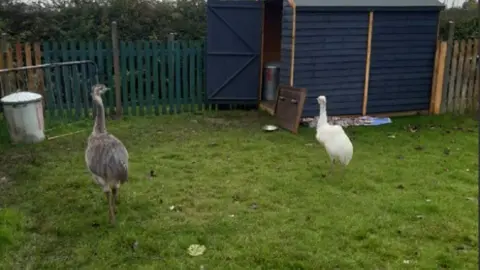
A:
<point x="106" y="156"/>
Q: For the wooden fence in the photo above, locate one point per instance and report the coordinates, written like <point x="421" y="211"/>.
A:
<point x="154" y="77"/>
<point x="456" y="81"/>
<point x="18" y="56"/>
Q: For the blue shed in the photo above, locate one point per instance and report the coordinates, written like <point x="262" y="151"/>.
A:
<point x="367" y="57"/>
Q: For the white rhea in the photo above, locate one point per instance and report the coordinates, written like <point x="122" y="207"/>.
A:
<point x="106" y="156"/>
<point x="333" y="137"/>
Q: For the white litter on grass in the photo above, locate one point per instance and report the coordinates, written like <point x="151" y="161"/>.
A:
<point x="196" y="250"/>
<point x="349" y="121"/>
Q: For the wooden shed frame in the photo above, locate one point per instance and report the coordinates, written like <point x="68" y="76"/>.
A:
<point x="269" y="106"/>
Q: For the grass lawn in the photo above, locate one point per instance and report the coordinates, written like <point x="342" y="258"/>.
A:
<point x="256" y="200"/>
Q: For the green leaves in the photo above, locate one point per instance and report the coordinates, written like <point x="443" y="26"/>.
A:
<point x="90" y="20"/>
<point x="466" y="22"/>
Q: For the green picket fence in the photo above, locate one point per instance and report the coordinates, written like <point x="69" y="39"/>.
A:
<point x="161" y="77"/>
<point x="156" y="77"/>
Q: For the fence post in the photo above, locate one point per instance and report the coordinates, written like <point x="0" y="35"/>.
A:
<point x="171" y="73"/>
<point x="171" y="37"/>
<point x="116" y="69"/>
<point x="448" y="60"/>
<point x="3" y="48"/>
<point x="478" y="66"/>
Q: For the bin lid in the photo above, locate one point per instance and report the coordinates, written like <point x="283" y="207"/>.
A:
<point x="21" y="97"/>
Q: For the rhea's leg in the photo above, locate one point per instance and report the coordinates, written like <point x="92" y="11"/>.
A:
<point x="115" y="198"/>
<point x="111" y="208"/>
<point x="116" y="191"/>
<point x="332" y="166"/>
<point x="343" y="171"/>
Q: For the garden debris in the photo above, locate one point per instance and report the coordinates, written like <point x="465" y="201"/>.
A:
<point x="391" y="136"/>
<point x="349" y="121"/>
<point x="3" y="180"/>
<point x="135" y="245"/>
<point x="196" y="250"/>
<point x="419" y="148"/>
<point x="420" y="216"/>
<point x="462" y="247"/>
<point x="232" y="215"/>
<point x="152" y="175"/>
<point x="254" y="206"/>
<point x="428" y="200"/>
<point x="63" y="135"/>
<point x="175" y="208"/>
<point x="412" y="129"/>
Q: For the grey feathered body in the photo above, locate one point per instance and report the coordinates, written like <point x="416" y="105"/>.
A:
<point x="107" y="158"/>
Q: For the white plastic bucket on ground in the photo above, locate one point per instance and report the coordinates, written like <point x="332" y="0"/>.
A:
<point x="24" y="114"/>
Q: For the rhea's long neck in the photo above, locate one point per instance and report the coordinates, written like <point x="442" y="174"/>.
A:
<point x="322" y="118"/>
<point x="99" y="126"/>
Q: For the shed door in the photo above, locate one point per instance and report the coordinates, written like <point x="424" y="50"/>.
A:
<point x="233" y="50"/>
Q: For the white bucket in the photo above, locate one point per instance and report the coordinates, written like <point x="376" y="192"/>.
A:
<point x="24" y="114"/>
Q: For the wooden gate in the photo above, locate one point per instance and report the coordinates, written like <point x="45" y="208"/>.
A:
<point x="233" y="51"/>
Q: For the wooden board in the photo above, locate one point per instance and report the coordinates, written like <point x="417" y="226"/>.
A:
<point x="367" y="63"/>
<point x="289" y="107"/>
<point x="438" y="92"/>
<point x="268" y="106"/>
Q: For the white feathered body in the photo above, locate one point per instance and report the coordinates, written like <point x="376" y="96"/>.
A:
<point x="336" y="142"/>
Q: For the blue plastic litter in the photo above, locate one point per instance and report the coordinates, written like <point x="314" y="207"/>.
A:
<point x="377" y="121"/>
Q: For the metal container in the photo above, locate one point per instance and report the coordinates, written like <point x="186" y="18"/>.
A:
<point x="24" y="114"/>
<point x="271" y="79"/>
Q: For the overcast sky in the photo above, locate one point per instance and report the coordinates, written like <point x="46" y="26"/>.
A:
<point x="453" y="2"/>
<point x="449" y="3"/>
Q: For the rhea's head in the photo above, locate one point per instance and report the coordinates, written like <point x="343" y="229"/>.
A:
<point x="322" y="100"/>
<point x="98" y="89"/>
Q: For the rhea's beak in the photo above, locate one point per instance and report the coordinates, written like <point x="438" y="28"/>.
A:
<point x="105" y="89"/>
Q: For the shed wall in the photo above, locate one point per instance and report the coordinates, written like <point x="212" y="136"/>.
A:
<point x="330" y="55"/>
<point x="286" y="46"/>
<point x="402" y="61"/>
